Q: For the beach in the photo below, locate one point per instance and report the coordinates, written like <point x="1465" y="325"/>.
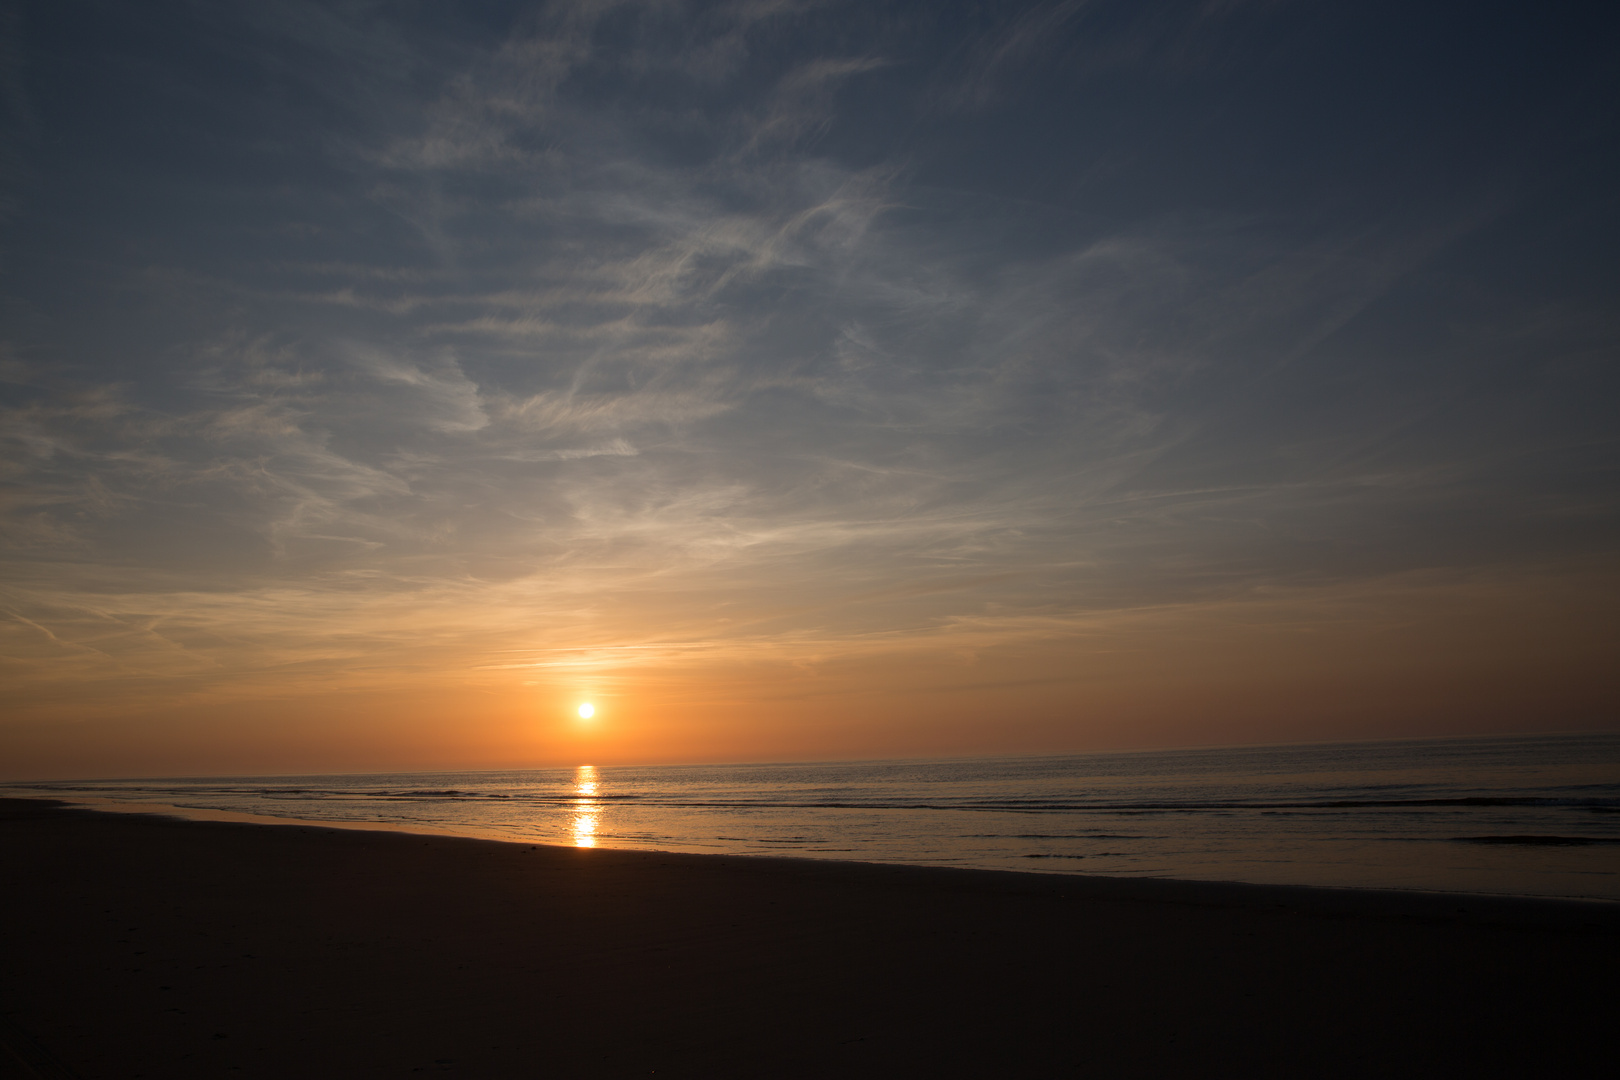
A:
<point x="140" y="945"/>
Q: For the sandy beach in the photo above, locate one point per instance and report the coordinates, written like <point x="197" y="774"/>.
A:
<point x="141" y="946"/>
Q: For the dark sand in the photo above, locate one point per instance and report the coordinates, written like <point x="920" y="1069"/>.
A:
<point x="144" y="946"/>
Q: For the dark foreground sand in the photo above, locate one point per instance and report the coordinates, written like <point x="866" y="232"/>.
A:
<point x="143" y="946"/>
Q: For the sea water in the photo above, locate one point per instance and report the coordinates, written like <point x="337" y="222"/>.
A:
<point x="1525" y="815"/>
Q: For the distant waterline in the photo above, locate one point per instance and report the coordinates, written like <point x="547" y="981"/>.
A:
<point x="1529" y="815"/>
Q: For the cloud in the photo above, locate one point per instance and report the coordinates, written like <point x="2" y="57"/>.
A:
<point x="569" y="413"/>
<point x="674" y="333"/>
<point x="802" y="103"/>
<point x="1011" y="47"/>
<point x="450" y="399"/>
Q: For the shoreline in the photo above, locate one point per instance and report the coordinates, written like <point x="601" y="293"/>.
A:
<point x="148" y="945"/>
<point x="102" y="805"/>
<point x="472" y="833"/>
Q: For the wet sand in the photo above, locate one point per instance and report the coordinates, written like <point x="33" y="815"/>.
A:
<point x="140" y="946"/>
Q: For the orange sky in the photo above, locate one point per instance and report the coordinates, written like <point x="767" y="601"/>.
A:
<point x="1416" y="655"/>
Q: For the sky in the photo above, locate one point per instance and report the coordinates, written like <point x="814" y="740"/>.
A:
<point x="800" y="379"/>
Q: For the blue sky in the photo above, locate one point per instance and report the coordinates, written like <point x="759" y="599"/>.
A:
<point x="693" y="355"/>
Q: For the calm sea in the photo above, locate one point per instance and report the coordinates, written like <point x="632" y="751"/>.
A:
<point x="1521" y="815"/>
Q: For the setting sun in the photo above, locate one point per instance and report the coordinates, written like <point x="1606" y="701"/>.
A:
<point x="586" y="711"/>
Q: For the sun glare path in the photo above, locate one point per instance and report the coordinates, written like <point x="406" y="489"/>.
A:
<point x="587" y="811"/>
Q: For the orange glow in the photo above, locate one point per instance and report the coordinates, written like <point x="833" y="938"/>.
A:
<point x="587" y="811"/>
<point x="1415" y="655"/>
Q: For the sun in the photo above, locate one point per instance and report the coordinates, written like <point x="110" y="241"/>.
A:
<point x="586" y="711"/>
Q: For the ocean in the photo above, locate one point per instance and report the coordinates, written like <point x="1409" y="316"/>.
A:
<point x="1521" y="815"/>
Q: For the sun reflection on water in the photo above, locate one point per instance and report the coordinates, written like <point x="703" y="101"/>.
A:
<point x="587" y="812"/>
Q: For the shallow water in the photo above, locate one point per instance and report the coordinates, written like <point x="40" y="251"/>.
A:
<point x="1537" y="816"/>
